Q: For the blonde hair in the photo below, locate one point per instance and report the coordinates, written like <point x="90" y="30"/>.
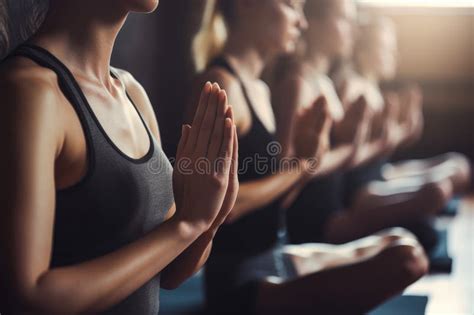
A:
<point x="212" y="36"/>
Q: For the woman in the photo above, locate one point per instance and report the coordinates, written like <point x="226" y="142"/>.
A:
<point x="88" y="222"/>
<point x="356" y="145"/>
<point x="375" y="60"/>
<point x="250" y="271"/>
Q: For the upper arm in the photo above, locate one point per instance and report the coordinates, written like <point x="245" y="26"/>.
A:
<point x="142" y="102"/>
<point x="30" y="138"/>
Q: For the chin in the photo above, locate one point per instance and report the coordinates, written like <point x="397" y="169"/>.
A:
<point x="143" y="6"/>
<point x="289" y="47"/>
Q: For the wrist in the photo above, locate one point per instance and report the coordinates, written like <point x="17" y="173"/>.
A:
<point x="188" y="230"/>
<point x="308" y="168"/>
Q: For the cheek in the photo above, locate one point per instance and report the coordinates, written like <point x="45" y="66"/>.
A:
<point x="282" y="31"/>
<point x="343" y="34"/>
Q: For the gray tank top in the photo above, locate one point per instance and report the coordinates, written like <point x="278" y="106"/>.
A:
<point x="119" y="200"/>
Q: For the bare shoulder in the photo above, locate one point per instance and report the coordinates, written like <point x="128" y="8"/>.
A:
<point x="128" y="79"/>
<point x="140" y="98"/>
<point x="294" y="85"/>
<point x="131" y="84"/>
<point x="233" y="88"/>
<point x="225" y="79"/>
<point x="26" y="86"/>
<point x="31" y="100"/>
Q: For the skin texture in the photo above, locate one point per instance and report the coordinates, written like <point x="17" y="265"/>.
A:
<point x="348" y="268"/>
<point x="45" y="150"/>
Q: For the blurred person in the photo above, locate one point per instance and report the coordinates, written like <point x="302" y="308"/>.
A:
<point x="89" y="222"/>
<point x="318" y="213"/>
<point x="375" y="61"/>
<point x="251" y="270"/>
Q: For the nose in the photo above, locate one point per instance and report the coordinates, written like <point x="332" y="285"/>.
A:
<point x="303" y="22"/>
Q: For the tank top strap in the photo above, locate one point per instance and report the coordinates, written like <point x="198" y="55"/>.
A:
<point x="66" y="80"/>
<point x="224" y="63"/>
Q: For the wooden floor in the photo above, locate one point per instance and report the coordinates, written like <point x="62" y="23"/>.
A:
<point x="453" y="294"/>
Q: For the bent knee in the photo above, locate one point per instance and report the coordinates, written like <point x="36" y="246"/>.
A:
<point x="408" y="261"/>
<point x="460" y="161"/>
<point x="396" y="234"/>
<point x="436" y="195"/>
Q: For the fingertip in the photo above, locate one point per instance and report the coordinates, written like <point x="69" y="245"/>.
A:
<point x="222" y="96"/>
<point x="215" y="87"/>
<point x="228" y="122"/>
<point x="230" y="112"/>
<point x="207" y="88"/>
<point x="321" y="100"/>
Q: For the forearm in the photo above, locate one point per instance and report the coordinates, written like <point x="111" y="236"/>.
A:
<point x="257" y="194"/>
<point x="338" y="158"/>
<point x="97" y="285"/>
<point x="188" y="263"/>
<point x="369" y="152"/>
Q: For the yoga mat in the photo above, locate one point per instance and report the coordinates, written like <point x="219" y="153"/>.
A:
<point x="440" y="261"/>
<point x="188" y="299"/>
<point x="452" y="208"/>
<point x="403" y="305"/>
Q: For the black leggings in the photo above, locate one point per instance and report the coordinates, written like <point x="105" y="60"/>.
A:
<point x="308" y="216"/>
<point x="232" y="279"/>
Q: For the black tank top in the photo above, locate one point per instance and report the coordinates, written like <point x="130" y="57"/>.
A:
<point x="258" y="157"/>
<point x="117" y="202"/>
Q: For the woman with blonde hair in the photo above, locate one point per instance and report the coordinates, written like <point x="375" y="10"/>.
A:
<point x="251" y="270"/>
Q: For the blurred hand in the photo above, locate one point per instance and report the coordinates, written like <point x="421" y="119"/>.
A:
<point x="312" y="129"/>
<point x="391" y="133"/>
<point x="355" y="126"/>
<point x="412" y="99"/>
<point x="204" y="178"/>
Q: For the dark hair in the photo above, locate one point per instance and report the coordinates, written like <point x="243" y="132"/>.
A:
<point x="227" y="9"/>
<point x="19" y="20"/>
<point x="317" y="8"/>
<point x="3" y="28"/>
<point x="34" y="13"/>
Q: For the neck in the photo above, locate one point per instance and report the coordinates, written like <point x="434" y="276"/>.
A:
<point x="82" y="38"/>
<point x="250" y="59"/>
<point x="319" y="61"/>
<point x="369" y="75"/>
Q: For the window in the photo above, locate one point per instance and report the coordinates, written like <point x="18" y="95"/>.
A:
<point x="420" y="3"/>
